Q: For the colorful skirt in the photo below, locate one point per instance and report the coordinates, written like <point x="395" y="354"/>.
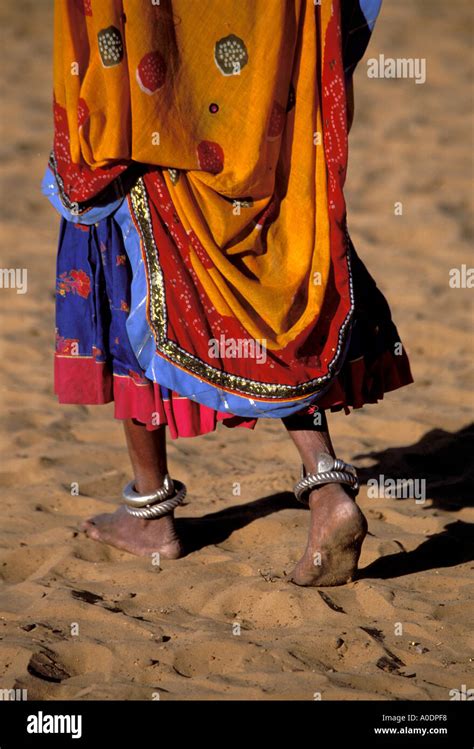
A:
<point x="95" y="362"/>
<point x="205" y="271"/>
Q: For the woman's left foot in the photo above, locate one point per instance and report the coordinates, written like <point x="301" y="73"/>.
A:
<point x="140" y="537"/>
<point x="337" y="531"/>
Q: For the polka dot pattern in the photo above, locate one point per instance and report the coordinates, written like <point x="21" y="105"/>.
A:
<point x="277" y="121"/>
<point x="110" y="46"/>
<point x="82" y="112"/>
<point x="230" y="55"/>
<point x="84" y="6"/>
<point x="174" y="176"/>
<point x="151" y="72"/>
<point x="210" y="157"/>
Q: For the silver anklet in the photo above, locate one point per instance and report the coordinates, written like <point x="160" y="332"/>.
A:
<point x="155" y="505"/>
<point x="330" y="471"/>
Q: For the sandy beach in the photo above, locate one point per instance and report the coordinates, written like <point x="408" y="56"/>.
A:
<point x="80" y="620"/>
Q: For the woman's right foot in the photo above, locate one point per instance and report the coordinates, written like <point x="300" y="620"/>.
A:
<point x="137" y="536"/>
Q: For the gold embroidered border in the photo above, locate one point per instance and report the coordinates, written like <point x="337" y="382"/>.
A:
<point x="190" y="363"/>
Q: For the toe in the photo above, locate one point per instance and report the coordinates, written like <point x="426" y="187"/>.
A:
<point x="92" y="526"/>
<point x="91" y="530"/>
<point x="301" y="576"/>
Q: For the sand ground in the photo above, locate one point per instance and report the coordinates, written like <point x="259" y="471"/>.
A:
<point x="402" y="629"/>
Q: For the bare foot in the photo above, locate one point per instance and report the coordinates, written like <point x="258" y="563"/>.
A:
<point x="337" y="530"/>
<point x="140" y="537"/>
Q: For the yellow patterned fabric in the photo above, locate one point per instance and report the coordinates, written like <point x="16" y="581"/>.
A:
<point x="206" y="90"/>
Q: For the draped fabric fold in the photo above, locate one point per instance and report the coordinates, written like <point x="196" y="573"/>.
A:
<point x="215" y="133"/>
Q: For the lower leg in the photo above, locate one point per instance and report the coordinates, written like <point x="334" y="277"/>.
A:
<point x="147" y="451"/>
<point x="311" y="437"/>
<point x="337" y="526"/>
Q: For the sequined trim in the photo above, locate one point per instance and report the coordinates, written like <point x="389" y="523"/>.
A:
<point x="138" y="201"/>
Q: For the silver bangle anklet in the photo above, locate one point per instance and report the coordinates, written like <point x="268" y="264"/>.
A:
<point x="157" y="504"/>
<point x="330" y="471"/>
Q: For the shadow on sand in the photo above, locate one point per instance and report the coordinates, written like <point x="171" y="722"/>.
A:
<point x="444" y="459"/>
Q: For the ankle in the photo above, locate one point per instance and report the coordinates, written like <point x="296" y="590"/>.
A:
<point x="328" y="493"/>
<point x="147" y="483"/>
<point x="311" y="460"/>
<point x="310" y="454"/>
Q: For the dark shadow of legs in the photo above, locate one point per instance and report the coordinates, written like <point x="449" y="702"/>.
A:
<point x="454" y="545"/>
<point x="215" y="527"/>
<point x="443" y="458"/>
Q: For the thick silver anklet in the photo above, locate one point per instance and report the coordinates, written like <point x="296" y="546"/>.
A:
<point x="157" y="504"/>
<point x="330" y="471"/>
